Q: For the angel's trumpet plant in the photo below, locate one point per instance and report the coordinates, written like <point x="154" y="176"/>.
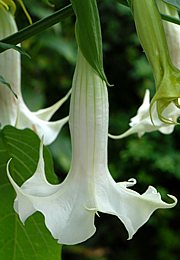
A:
<point x="13" y="110"/>
<point x="153" y="40"/>
<point x="70" y="208"/>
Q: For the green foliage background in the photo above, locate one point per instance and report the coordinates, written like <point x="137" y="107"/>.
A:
<point x="152" y="160"/>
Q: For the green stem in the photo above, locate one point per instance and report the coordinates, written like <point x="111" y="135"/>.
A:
<point x="50" y="20"/>
<point x="38" y="26"/>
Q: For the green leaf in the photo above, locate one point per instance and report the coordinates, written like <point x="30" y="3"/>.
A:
<point x="175" y="3"/>
<point x="6" y="46"/>
<point x="32" y="241"/>
<point x="88" y="33"/>
<point x="4" y="82"/>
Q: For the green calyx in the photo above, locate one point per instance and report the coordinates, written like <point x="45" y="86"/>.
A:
<point x="166" y="92"/>
<point x="153" y="40"/>
<point x="151" y="34"/>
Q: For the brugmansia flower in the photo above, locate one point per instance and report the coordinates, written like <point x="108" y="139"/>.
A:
<point x="13" y="111"/>
<point x="152" y="37"/>
<point x="142" y="123"/>
<point x="70" y="208"/>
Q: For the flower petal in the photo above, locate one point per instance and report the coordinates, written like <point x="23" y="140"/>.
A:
<point x="22" y="205"/>
<point x="146" y="103"/>
<point x="46" y="129"/>
<point x="63" y="206"/>
<point x="142" y="123"/>
<point x="65" y="211"/>
<point x="129" y="206"/>
<point x="47" y="113"/>
<point x="66" y="214"/>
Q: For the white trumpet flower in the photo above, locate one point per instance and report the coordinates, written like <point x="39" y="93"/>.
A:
<point x="13" y="111"/>
<point x="69" y="208"/>
<point x="142" y="123"/>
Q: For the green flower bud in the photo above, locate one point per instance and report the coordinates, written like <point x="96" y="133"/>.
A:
<point x="153" y="40"/>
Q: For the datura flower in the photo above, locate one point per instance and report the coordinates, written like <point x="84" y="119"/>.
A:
<point x="142" y="123"/>
<point x="69" y="208"/>
<point x="153" y="40"/>
<point x="13" y="111"/>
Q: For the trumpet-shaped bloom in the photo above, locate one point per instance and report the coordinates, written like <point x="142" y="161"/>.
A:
<point x="13" y="111"/>
<point x="70" y="207"/>
<point x="152" y="36"/>
<point x="142" y="122"/>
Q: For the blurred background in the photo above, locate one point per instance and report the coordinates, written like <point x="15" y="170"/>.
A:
<point x="153" y="159"/>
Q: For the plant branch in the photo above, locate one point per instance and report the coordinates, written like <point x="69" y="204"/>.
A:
<point x="38" y="26"/>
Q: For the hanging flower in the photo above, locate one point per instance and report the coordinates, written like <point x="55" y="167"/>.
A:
<point x="152" y="37"/>
<point x="13" y="111"/>
<point x="142" y="122"/>
<point x="70" y="207"/>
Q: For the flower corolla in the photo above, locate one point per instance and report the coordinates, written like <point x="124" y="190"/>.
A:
<point x="70" y="207"/>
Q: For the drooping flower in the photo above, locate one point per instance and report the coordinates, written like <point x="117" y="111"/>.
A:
<point x="153" y="40"/>
<point x="142" y="122"/>
<point x="13" y="111"/>
<point x="70" y="207"/>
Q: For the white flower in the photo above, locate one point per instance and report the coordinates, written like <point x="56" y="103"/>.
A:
<point x="69" y="208"/>
<point x="142" y="123"/>
<point x="13" y="111"/>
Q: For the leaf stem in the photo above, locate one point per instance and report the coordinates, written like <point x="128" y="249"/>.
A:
<point x="38" y="26"/>
<point x="170" y="19"/>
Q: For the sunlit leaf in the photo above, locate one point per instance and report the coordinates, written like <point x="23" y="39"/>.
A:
<point x="32" y="241"/>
